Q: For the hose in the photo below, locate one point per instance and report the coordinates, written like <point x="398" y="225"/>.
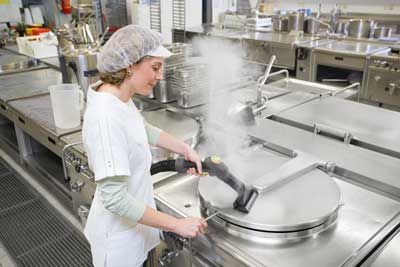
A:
<point x="163" y="166"/>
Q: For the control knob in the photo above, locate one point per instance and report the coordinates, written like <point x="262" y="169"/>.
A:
<point x="77" y="186"/>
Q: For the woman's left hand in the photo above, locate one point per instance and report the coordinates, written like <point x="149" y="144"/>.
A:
<point x="191" y="155"/>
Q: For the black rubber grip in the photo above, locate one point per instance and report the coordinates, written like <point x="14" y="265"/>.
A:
<point x="182" y="165"/>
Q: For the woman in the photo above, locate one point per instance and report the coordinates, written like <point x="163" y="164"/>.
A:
<point x="123" y="224"/>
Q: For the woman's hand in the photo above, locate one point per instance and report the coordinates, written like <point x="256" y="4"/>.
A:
<point x="176" y="145"/>
<point x="191" y="155"/>
<point x="190" y="227"/>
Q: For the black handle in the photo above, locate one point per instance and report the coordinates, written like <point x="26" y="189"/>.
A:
<point x="210" y="165"/>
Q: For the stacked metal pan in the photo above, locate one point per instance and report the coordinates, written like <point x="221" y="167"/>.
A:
<point x="163" y="91"/>
<point x="191" y="82"/>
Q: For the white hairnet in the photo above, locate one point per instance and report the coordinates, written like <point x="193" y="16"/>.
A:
<point x="126" y="46"/>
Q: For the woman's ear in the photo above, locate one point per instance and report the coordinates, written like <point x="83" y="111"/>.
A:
<point x="129" y="70"/>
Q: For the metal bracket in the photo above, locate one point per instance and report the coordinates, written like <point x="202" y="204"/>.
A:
<point x="294" y="168"/>
<point x="347" y="137"/>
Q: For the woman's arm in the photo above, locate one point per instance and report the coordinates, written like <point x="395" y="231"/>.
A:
<point x="186" y="227"/>
<point x="176" y="145"/>
<point x="116" y="199"/>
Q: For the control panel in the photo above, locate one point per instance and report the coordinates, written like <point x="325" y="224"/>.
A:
<point x="383" y="82"/>
<point x="385" y="65"/>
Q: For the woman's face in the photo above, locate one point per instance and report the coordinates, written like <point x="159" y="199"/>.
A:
<point x="146" y="74"/>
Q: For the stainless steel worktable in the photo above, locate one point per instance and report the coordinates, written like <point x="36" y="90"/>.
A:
<point x="277" y="38"/>
<point x="35" y="116"/>
<point x="50" y="61"/>
<point x="25" y="84"/>
<point x="270" y="37"/>
<point x="15" y="62"/>
<point x="359" y="49"/>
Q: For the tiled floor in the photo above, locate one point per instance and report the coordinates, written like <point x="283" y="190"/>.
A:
<point x="5" y="260"/>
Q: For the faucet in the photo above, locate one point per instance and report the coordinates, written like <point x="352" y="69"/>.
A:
<point x="329" y="31"/>
<point x="246" y="113"/>
<point x="334" y="13"/>
<point x="262" y="81"/>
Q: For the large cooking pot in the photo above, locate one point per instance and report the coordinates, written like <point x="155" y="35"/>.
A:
<point x="312" y="26"/>
<point x="280" y="23"/>
<point x="341" y="26"/>
<point x="360" y="28"/>
<point x="181" y="126"/>
<point x="382" y="32"/>
<point x="296" y="21"/>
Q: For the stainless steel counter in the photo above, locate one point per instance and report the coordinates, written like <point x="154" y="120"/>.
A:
<point x="35" y="116"/>
<point x="25" y="84"/>
<point x="11" y="63"/>
<point x="314" y="43"/>
<point x="359" y="49"/>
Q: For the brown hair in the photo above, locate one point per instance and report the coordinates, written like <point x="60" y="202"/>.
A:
<point x="115" y="78"/>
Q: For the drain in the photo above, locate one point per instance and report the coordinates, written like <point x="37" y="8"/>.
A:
<point x="32" y="231"/>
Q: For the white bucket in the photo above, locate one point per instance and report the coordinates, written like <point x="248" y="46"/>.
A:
<point x="67" y="101"/>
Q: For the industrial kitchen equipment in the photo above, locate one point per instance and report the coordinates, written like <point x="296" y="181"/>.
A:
<point x="314" y="192"/>
<point x="341" y="61"/>
<point x="81" y="67"/>
<point x="259" y="46"/>
<point x="289" y="218"/>
<point x="350" y="122"/>
<point x="382" y="84"/>
<point x="304" y="54"/>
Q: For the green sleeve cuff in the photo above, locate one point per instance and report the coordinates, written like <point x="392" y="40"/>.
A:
<point x="116" y="198"/>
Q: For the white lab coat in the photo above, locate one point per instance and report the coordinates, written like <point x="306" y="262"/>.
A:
<point x="115" y="140"/>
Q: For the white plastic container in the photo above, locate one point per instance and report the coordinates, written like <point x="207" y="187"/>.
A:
<point x="38" y="46"/>
<point x="67" y="101"/>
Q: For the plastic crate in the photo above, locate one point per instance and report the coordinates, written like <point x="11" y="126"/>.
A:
<point x="38" y="46"/>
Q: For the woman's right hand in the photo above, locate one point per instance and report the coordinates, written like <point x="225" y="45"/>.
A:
<point x="190" y="227"/>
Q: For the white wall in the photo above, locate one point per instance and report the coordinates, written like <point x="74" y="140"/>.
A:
<point x="357" y="6"/>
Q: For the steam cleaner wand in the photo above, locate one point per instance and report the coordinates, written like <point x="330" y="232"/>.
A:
<point x="213" y="166"/>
